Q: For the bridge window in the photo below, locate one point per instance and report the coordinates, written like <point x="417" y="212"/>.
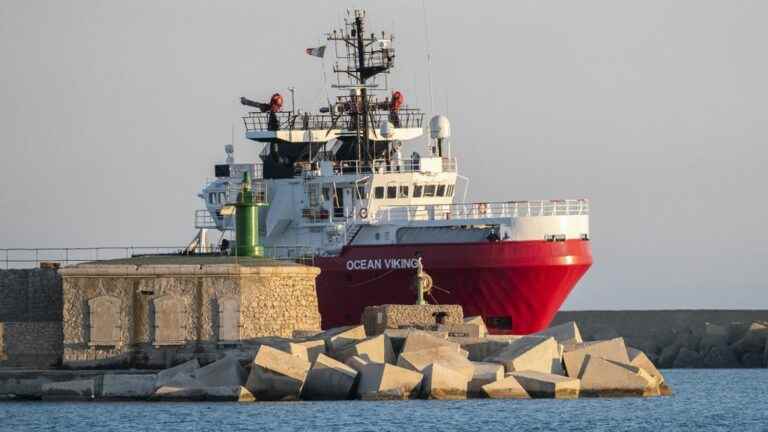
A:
<point x="417" y="191"/>
<point x="403" y="191"/>
<point x="429" y="190"/>
<point x="391" y="191"/>
<point x="441" y="190"/>
<point x="314" y="192"/>
<point x="378" y="192"/>
<point x="450" y="191"/>
<point x="222" y="197"/>
<point x="211" y="197"/>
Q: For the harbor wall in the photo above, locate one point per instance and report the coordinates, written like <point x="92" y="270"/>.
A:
<point x="685" y="338"/>
<point x="156" y="315"/>
<point x="30" y="318"/>
<point x="32" y="312"/>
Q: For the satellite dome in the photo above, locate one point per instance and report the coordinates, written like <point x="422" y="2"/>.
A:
<point x="387" y="129"/>
<point x="439" y="127"/>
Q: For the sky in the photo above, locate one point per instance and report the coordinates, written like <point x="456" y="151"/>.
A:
<point x="112" y="115"/>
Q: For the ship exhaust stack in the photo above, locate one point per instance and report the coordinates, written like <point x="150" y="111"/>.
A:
<point x="247" y="221"/>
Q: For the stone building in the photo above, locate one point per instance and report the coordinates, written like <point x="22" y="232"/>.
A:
<point x="157" y="311"/>
<point x="30" y="318"/>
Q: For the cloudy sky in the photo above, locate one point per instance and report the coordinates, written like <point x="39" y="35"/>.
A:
<point x="112" y="114"/>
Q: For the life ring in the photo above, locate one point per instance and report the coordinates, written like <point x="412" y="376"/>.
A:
<point x="363" y="213"/>
<point x="482" y="209"/>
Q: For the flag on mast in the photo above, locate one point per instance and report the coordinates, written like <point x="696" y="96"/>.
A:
<point x="317" y="52"/>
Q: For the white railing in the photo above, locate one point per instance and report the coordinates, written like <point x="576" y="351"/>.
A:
<point x="377" y="166"/>
<point x="489" y="210"/>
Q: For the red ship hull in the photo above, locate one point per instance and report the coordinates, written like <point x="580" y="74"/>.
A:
<point x="517" y="287"/>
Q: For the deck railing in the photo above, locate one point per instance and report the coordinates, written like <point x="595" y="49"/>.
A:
<point x="482" y="210"/>
<point x="32" y="257"/>
<point x="286" y="120"/>
<point x="377" y="166"/>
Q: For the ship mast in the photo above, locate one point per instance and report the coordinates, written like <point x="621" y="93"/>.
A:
<point x="359" y="61"/>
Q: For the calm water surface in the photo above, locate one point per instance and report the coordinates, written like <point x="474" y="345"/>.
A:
<point x="717" y="400"/>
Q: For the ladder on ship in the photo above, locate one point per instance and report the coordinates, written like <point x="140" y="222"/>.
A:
<point x="352" y="231"/>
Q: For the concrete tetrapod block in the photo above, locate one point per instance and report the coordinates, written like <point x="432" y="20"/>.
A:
<point x="128" y="386"/>
<point x="479" y="349"/>
<point x="338" y="338"/>
<point x="445" y="355"/>
<point x="377" y="349"/>
<point x="545" y="385"/>
<point x="485" y="373"/>
<point x="529" y="353"/>
<point x="285" y="345"/>
<point x="314" y="348"/>
<point x="601" y="377"/>
<point x="612" y="349"/>
<point x="329" y="379"/>
<point x="398" y="336"/>
<point x="356" y="363"/>
<point x="639" y="359"/>
<point x="276" y="375"/>
<point x="442" y="382"/>
<point x="754" y="339"/>
<point x="70" y="390"/>
<point x="478" y="321"/>
<point x="713" y="336"/>
<point x="418" y="340"/>
<point x="383" y="381"/>
<point x="566" y="333"/>
<point x="164" y="376"/>
<point x="211" y="393"/>
<point x="505" y="388"/>
<point x="182" y="379"/>
<point x="224" y="372"/>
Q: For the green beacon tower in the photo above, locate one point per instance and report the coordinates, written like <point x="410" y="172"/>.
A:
<point x="247" y="221"/>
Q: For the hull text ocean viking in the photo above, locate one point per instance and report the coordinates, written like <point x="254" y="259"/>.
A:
<point x="382" y="264"/>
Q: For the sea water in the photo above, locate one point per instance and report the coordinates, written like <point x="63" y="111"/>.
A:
<point x="703" y="400"/>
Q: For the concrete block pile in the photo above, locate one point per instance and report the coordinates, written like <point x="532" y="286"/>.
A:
<point x="348" y="363"/>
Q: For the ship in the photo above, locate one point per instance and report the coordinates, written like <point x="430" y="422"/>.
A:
<point x="334" y="188"/>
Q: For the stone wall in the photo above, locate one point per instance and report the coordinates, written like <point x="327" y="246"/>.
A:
<point x="30" y="295"/>
<point x="30" y="318"/>
<point x="378" y="318"/>
<point x="35" y="344"/>
<point x="156" y="314"/>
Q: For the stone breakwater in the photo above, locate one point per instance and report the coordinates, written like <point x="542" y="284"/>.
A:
<point x="683" y="338"/>
<point x="348" y="363"/>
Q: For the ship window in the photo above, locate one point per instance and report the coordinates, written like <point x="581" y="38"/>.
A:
<point x="378" y="192"/>
<point x="361" y="192"/>
<point x="391" y="191"/>
<point x="403" y="191"/>
<point x="450" y="191"/>
<point x="314" y="191"/>
<point x="222" y="197"/>
<point x="326" y="194"/>
<point x="211" y="197"/>
<point x="417" y="191"/>
<point x="441" y="190"/>
<point x="429" y="190"/>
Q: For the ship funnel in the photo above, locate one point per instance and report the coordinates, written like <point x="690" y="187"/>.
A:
<point x="439" y="127"/>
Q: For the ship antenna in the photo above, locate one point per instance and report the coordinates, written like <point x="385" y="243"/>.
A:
<point x="429" y="56"/>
